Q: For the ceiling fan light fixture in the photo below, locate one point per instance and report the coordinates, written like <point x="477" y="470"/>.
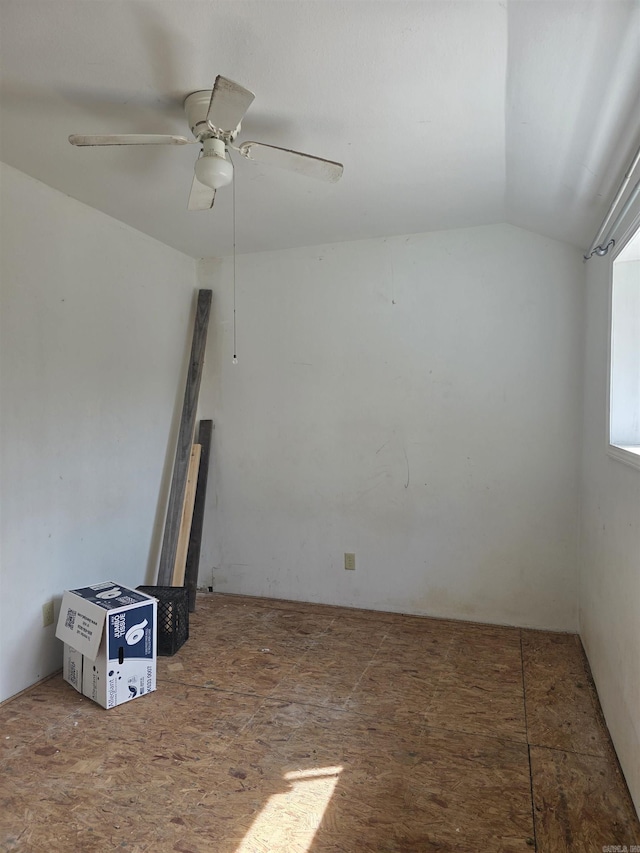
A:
<point x="212" y="168"/>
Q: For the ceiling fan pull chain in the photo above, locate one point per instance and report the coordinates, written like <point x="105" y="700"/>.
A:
<point x="235" y="354"/>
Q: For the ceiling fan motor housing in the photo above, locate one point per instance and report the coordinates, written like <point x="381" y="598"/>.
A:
<point x="196" y="107"/>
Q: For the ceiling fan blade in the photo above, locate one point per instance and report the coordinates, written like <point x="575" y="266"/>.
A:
<point x="201" y="197"/>
<point x="304" y="164"/>
<point x="129" y="139"/>
<point x="229" y="102"/>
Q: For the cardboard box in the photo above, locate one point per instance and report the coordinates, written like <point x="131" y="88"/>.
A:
<point x="109" y="635"/>
<point x="72" y="667"/>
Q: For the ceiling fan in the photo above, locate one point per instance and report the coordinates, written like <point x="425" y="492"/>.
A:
<point x="214" y="117"/>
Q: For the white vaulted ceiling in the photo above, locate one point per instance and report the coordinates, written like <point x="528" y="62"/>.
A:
<point x="445" y="114"/>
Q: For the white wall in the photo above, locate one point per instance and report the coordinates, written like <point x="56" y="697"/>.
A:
<point x="95" y="332"/>
<point x="610" y="560"/>
<point x="416" y="400"/>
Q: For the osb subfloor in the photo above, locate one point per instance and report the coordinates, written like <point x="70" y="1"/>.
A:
<point x="284" y="728"/>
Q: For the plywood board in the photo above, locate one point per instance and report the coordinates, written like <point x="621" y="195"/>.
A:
<point x="177" y="576"/>
<point x="561" y="700"/>
<point x="580" y="803"/>
<point x="303" y="730"/>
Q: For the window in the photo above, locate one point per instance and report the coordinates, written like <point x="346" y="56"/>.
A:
<point x="624" y="384"/>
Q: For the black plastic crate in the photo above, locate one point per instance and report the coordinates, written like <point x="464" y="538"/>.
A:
<point x="173" y="616"/>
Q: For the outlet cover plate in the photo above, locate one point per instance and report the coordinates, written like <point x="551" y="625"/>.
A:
<point x="350" y="562"/>
<point x="47" y="614"/>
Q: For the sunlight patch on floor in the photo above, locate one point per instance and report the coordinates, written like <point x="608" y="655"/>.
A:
<point x="289" y="820"/>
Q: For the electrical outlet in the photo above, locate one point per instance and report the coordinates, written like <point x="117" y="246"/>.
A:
<point x="350" y="562"/>
<point x="47" y="614"/>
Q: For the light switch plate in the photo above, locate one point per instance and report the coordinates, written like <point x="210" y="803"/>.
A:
<point x="47" y="614"/>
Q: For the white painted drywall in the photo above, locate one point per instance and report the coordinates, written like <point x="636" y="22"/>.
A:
<point x="610" y="547"/>
<point x="415" y="400"/>
<point x="95" y="332"/>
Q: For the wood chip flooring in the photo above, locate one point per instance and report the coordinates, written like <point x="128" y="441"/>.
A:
<point x="292" y="728"/>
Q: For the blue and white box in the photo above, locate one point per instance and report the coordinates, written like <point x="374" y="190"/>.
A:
<point x="109" y="634"/>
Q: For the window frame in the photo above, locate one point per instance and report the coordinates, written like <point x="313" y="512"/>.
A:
<point x="632" y="231"/>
